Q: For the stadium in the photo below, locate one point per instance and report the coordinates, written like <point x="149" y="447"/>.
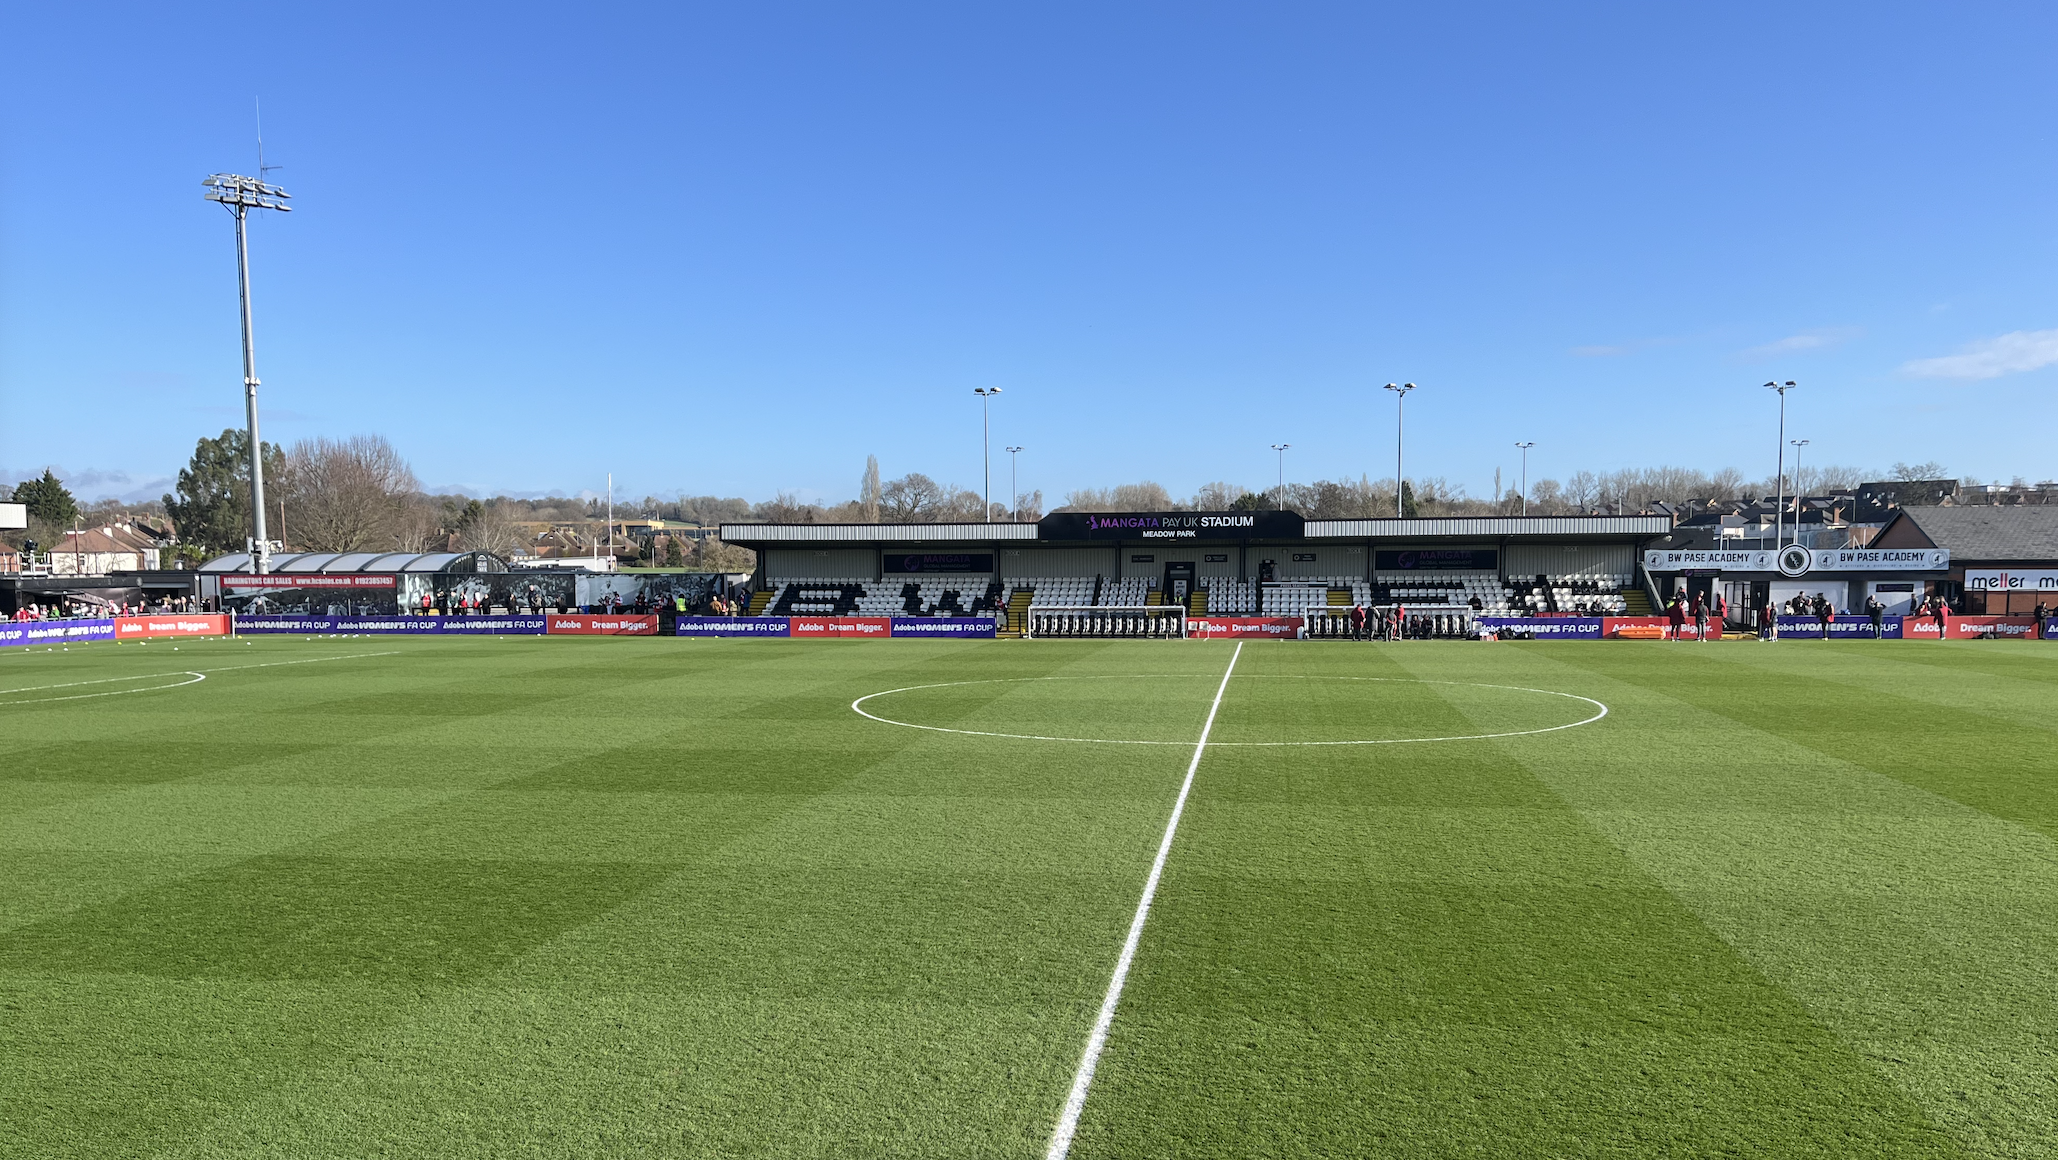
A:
<point x="1011" y="582"/>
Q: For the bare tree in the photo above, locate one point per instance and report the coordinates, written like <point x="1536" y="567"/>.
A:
<point x="346" y="495"/>
<point x="488" y="527"/>
<point x="1910" y="472"/>
<point x="1218" y="496"/>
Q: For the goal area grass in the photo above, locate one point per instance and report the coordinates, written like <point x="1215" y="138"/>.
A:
<point x="543" y="897"/>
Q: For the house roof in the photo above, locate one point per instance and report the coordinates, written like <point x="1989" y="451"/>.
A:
<point x="2020" y="532"/>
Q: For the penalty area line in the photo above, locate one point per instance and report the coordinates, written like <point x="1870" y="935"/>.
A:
<point x="1089" y="1061"/>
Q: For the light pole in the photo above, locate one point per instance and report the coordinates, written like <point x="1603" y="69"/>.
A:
<point x="1014" y="494"/>
<point x="986" y="440"/>
<point x="1797" y="444"/>
<point x="1525" y="474"/>
<point x="241" y="195"/>
<point x="1779" y="513"/>
<point x="1280" y="503"/>
<point x="1399" y="422"/>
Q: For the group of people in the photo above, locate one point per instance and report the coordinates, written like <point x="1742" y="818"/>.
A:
<point x="1703" y="609"/>
<point x="1378" y="623"/>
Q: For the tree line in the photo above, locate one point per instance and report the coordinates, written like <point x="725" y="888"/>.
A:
<point x="359" y="494"/>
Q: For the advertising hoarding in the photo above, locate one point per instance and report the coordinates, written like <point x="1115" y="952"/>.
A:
<point x="393" y="625"/>
<point x="1840" y="628"/>
<point x="1970" y="628"/>
<point x="585" y="624"/>
<point x="1545" y="627"/>
<point x="171" y="624"/>
<point x="311" y="580"/>
<point x="732" y="626"/>
<point x="1243" y="627"/>
<point x="955" y="627"/>
<point x="819" y="627"/>
<point x="2011" y="580"/>
<point x="1650" y="628"/>
<point x="54" y="632"/>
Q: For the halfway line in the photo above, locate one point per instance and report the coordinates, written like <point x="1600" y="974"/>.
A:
<point x="1068" y="1124"/>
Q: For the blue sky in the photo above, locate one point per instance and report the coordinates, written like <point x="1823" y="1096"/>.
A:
<point x="734" y="249"/>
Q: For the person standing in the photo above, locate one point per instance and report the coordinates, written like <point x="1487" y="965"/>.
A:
<point x="1675" y="617"/>
<point x="2042" y="612"/>
<point x="1824" y="612"/>
<point x="1942" y="613"/>
<point x="1877" y="612"/>
<point x="1700" y="618"/>
<point x="1357" y="622"/>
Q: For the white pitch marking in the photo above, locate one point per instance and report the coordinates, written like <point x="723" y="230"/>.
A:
<point x="198" y="676"/>
<point x="857" y="707"/>
<point x="1075" y="1103"/>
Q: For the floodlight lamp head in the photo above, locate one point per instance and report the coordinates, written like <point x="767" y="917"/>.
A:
<point x="239" y="192"/>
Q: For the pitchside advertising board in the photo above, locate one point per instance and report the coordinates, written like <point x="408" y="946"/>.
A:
<point x="395" y="625"/>
<point x="1840" y="628"/>
<point x="1243" y="627"/>
<point x="1795" y="560"/>
<point x="839" y="627"/>
<point x="54" y="632"/>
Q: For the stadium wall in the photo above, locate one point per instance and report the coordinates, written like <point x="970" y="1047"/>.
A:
<point x="1035" y="563"/>
<point x="810" y="564"/>
<point x="1569" y="559"/>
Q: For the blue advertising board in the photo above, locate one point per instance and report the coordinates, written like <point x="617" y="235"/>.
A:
<point x="395" y="625"/>
<point x="956" y="628"/>
<point x="1840" y="628"/>
<point x="2051" y="629"/>
<point x="734" y="626"/>
<point x="1545" y="627"/>
<point x="54" y="632"/>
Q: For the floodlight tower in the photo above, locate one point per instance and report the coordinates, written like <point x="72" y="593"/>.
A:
<point x="1779" y="513"/>
<point x="986" y="440"/>
<point x="1797" y="444"/>
<point x="241" y="195"/>
<point x="1400" y="394"/>
<point x="1281" y="449"/>
<point x="1525" y="474"/>
<point x="1014" y="492"/>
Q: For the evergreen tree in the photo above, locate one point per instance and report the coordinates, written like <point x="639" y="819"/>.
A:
<point x="1408" y="510"/>
<point x="47" y="500"/>
<point x="212" y="508"/>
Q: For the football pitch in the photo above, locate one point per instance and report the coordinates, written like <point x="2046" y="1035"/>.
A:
<point x="527" y="897"/>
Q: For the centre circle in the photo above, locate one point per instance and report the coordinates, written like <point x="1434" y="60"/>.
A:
<point x="1261" y="710"/>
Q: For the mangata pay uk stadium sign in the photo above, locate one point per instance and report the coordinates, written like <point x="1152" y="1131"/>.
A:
<point x="1171" y="526"/>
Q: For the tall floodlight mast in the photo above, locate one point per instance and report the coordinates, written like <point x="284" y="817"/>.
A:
<point x="986" y="440"/>
<point x="1779" y="513"/>
<point x="241" y="195"/>
<point x="1525" y="474"/>
<point x="1400" y="392"/>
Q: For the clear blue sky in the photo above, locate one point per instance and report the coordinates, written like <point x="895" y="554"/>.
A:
<point x="737" y="248"/>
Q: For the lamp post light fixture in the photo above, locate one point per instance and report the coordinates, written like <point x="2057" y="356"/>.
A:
<point x="1280" y="503"/>
<point x="1400" y="393"/>
<point x="240" y="195"/>
<point x="1525" y="474"/>
<point x="1779" y="513"/>
<point x="1014" y="493"/>
<point x="986" y="440"/>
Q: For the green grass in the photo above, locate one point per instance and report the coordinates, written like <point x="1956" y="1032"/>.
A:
<point x="565" y="897"/>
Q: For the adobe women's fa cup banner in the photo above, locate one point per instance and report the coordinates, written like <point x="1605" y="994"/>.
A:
<point x="393" y="625"/>
<point x="54" y="632"/>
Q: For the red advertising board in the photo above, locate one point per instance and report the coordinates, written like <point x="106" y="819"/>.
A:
<point x="1243" y="627"/>
<point x="187" y="624"/>
<point x="341" y="580"/>
<point x="582" y="624"/>
<point x="879" y="627"/>
<point x="1649" y="628"/>
<point x="1970" y="628"/>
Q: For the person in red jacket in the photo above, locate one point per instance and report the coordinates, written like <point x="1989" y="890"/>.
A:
<point x="1675" y="616"/>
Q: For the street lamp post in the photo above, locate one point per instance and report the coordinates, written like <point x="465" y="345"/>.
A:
<point x="1525" y="474"/>
<point x="986" y="440"/>
<point x="1797" y="444"/>
<point x="1014" y="492"/>
<point x="1280" y="503"/>
<point x="241" y="195"/>
<point x="1779" y="513"/>
<point x="1400" y="393"/>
